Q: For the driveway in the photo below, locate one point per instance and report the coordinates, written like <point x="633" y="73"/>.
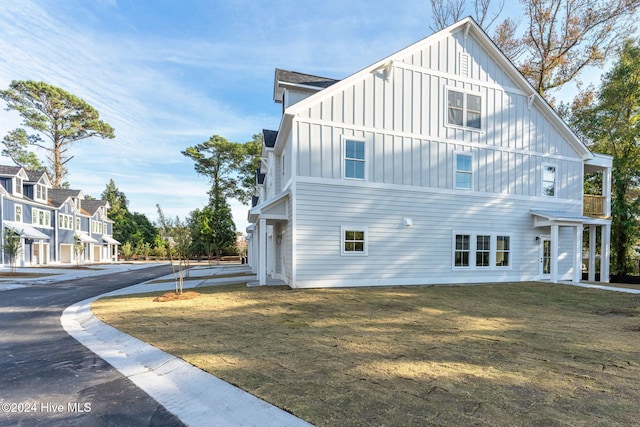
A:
<point x="48" y="378"/>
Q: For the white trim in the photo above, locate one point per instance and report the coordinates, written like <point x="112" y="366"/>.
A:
<point x="15" y="215"/>
<point x="471" y="171"/>
<point x="496" y="277"/>
<point x="343" y="148"/>
<point x="356" y="228"/>
<point x="473" y="248"/>
<point x="465" y="109"/>
<point x="459" y="78"/>
<point x="566" y="204"/>
<point x="555" y="167"/>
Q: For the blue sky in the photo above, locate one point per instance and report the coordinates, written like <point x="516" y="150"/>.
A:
<point x="168" y="74"/>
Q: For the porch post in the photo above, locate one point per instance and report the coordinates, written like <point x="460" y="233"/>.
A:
<point x="605" y="241"/>
<point x="262" y="252"/>
<point x="592" y="254"/>
<point x="577" y="248"/>
<point x="606" y="191"/>
<point x="554" y="254"/>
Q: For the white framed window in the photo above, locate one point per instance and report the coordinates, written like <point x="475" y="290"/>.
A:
<point x="18" y="185"/>
<point x="481" y="251"/>
<point x="354" y="241"/>
<point x="464" y="109"/>
<point x="65" y="222"/>
<point x="78" y="223"/>
<point x="549" y="180"/>
<point x="463" y="171"/>
<point x="462" y="250"/>
<point x="40" y="217"/>
<point x="354" y="158"/>
<point x="18" y="213"/>
<point x="41" y="192"/>
<point x="503" y="251"/>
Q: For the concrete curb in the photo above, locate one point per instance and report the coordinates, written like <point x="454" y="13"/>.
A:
<point x="194" y="396"/>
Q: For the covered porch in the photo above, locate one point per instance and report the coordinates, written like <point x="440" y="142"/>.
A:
<point x="550" y="223"/>
<point x="266" y="239"/>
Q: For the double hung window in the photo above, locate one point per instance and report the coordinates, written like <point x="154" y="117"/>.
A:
<point x="464" y="109"/>
<point x="481" y="251"/>
<point x="463" y="171"/>
<point x="354" y="159"/>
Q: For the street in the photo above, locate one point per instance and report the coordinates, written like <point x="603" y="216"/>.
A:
<point x="48" y="378"/>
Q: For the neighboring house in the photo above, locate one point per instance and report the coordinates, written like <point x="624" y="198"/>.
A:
<point x="437" y="164"/>
<point x="50" y="221"/>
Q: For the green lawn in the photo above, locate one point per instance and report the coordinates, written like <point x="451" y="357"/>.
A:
<point x="521" y="354"/>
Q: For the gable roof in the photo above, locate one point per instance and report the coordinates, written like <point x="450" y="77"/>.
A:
<point x="10" y="170"/>
<point x="57" y="196"/>
<point x="470" y="28"/>
<point x="92" y="206"/>
<point x="301" y="81"/>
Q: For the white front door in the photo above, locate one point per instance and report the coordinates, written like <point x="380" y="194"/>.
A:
<point x="545" y="258"/>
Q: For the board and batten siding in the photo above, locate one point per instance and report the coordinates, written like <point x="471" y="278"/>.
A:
<point x="402" y="118"/>
<point x="421" y="254"/>
<point x="405" y="160"/>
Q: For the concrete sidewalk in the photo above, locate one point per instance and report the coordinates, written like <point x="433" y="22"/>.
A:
<point x="194" y="396"/>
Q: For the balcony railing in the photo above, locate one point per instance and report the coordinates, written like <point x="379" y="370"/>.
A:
<point x="593" y="205"/>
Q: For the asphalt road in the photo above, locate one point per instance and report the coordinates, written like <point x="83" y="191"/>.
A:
<point x="48" y="378"/>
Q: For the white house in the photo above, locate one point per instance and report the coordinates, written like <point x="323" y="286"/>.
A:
<point x="437" y="164"/>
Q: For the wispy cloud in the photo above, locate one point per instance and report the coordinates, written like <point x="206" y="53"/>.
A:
<point x="169" y="78"/>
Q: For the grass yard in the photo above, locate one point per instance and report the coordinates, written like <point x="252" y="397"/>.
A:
<point x="526" y="354"/>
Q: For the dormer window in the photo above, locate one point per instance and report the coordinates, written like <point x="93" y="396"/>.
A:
<point x="18" y="185"/>
<point x="41" y="192"/>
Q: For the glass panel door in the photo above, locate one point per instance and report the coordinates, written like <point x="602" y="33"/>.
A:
<point x="545" y="258"/>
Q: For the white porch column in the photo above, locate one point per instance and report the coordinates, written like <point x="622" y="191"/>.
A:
<point x="554" y="254"/>
<point x="605" y="241"/>
<point x="262" y="252"/>
<point x="606" y="191"/>
<point x="577" y="254"/>
<point x="592" y="254"/>
<point x="40" y="252"/>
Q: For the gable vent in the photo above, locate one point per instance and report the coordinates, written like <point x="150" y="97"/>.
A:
<point x="464" y="65"/>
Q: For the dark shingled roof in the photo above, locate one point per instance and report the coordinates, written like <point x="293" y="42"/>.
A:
<point x="34" y="176"/>
<point x="57" y="196"/>
<point x="92" y="206"/>
<point x="304" y="79"/>
<point x="269" y="137"/>
<point x="9" y="170"/>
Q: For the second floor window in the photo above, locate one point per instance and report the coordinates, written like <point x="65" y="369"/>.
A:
<point x="463" y="171"/>
<point x="18" y="212"/>
<point x="40" y="217"/>
<point x="464" y="109"/>
<point x="354" y="160"/>
<point x="548" y="180"/>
